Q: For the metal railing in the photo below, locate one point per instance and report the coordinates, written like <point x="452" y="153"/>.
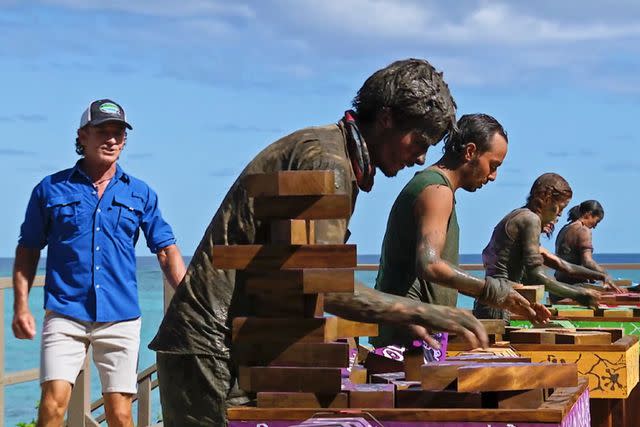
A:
<point x="79" y="413"/>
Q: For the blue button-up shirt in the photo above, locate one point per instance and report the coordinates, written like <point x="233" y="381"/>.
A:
<point x="91" y="260"/>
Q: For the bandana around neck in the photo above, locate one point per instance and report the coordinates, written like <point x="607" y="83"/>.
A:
<point x="358" y="152"/>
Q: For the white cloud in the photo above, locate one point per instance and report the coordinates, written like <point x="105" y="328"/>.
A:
<point x="429" y="23"/>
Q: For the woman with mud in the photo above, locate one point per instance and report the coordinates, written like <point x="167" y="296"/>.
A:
<point x="574" y="244"/>
<point x="514" y="251"/>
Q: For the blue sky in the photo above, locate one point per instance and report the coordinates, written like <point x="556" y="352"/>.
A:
<point x="207" y="84"/>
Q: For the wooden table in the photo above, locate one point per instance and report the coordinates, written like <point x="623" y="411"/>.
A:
<point x="566" y="407"/>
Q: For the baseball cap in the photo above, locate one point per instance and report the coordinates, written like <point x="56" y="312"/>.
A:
<point x="102" y="111"/>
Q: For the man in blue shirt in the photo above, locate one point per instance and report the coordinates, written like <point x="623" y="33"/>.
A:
<point x="90" y="217"/>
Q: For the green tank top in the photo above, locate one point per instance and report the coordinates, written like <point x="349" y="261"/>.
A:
<point x="397" y="272"/>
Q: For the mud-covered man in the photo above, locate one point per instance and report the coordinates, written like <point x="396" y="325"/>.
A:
<point x="399" y="112"/>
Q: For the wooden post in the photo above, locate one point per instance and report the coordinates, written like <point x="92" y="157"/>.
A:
<point x="144" y="402"/>
<point x="80" y="403"/>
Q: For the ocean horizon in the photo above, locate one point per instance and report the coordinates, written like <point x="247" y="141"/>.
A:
<point x="21" y="399"/>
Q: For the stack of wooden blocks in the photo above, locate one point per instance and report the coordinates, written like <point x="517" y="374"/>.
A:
<point x="286" y="350"/>
<point x="498" y="379"/>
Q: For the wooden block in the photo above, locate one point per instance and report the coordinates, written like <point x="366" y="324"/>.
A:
<point x="307" y="281"/>
<point x="283" y="305"/>
<point x="344" y="328"/>
<point x="404" y="385"/>
<point x="533" y="294"/>
<point x="519" y="399"/>
<point x="255" y="330"/>
<point x="379" y="364"/>
<point x="330" y="206"/>
<point x="516" y="376"/>
<point x="617" y="313"/>
<point x="493" y="326"/>
<point x="292" y="232"/>
<point x="418" y="398"/>
<point x="321" y="355"/>
<point x="440" y="375"/>
<point x="413" y="361"/>
<point x="363" y="351"/>
<point x="622" y="282"/>
<point x="532" y="336"/>
<point x="488" y="358"/>
<point x="616" y="333"/>
<point x="289" y="379"/>
<point x="508" y="330"/>
<point x="371" y="395"/>
<point x="583" y="338"/>
<point x="584" y="312"/>
<point x="265" y="257"/>
<point x="290" y="183"/>
<point x="258" y="330"/>
<point x="268" y="399"/>
<point x="388" y="378"/>
<point x="358" y="374"/>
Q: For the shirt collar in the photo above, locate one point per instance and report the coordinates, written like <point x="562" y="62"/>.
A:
<point x="119" y="175"/>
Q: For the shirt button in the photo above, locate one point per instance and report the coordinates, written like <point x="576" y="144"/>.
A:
<point x="99" y="210"/>
<point x="97" y="267"/>
<point x="97" y="286"/>
<point x="97" y="248"/>
<point x="94" y="192"/>
<point x="97" y="228"/>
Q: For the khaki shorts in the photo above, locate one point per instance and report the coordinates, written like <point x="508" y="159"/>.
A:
<point x="65" y="342"/>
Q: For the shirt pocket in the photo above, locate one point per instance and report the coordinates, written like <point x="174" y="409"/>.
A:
<point x="129" y="211"/>
<point x="64" y="212"/>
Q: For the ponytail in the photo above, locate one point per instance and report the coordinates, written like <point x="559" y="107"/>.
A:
<point x="588" y="206"/>
<point x="574" y="213"/>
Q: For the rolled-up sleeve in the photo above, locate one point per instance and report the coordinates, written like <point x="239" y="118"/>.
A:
<point x="33" y="231"/>
<point x="157" y="231"/>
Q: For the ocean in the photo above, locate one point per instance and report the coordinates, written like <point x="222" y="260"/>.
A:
<point x="21" y="399"/>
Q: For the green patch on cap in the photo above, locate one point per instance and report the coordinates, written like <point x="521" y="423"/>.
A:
<point x="110" y="108"/>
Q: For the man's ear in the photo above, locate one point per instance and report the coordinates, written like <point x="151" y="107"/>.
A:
<point x="82" y="134"/>
<point x="470" y="151"/>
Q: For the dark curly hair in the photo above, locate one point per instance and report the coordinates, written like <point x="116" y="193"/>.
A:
<point x="414" y="92"/>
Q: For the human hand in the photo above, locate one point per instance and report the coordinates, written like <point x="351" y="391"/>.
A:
<point x="453" y="320"/>
<point x="587" y="297"/>
<point x="23" y="324"/>
<point x="610" y="286"/>
<point x="517" y="304"/>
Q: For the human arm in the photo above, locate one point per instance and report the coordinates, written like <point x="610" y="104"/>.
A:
<point x="432" y="210"/>
<point x="528" y="230"/>
<point x="578" y="271"/>
<point x="24" y="272"/>
<point x="369" y="305"/>
<point x="586" y="259"/>
<point x="172" y="264"/>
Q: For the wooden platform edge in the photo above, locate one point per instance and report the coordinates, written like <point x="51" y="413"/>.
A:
<point x="553" y="412"/>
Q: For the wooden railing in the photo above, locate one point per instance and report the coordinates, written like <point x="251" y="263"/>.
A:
<point x="79" y="413"/>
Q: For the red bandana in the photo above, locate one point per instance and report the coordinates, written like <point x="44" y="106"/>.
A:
<point x="358" y="152"/>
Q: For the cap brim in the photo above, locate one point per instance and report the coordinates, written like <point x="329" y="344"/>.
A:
<point x="107" y="120"/>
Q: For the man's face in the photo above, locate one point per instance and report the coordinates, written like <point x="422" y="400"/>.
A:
<point x="483" y="166"/>
<point x="102" y="144"/>
<point x="400" y="149"/>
